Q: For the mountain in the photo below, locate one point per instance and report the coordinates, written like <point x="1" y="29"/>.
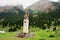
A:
<point x="10" y="13"/>
<point x="59" y="1"/>
<point x="41" y="5"/>
<point x="9" y="7"/>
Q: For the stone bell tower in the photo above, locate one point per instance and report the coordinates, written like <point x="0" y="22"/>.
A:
<point x="26" y="23"/>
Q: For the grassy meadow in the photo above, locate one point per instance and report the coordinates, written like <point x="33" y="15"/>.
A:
<point x="39" y="34"/>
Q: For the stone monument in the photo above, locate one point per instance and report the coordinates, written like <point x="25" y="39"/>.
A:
<point x="26" y="23"/>
<point x="25" y="32"/>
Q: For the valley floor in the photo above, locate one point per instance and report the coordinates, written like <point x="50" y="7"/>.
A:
<point x="38" y="35"/>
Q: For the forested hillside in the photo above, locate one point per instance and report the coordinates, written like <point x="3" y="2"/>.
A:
<point x="45" y="19"/>
<point x="13" y="18"/>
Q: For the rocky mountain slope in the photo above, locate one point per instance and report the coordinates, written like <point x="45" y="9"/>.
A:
<point x="7" y="7"/>
<point x="41" y="5"/>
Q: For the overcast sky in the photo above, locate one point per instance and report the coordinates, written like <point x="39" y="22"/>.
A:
<point x="25" y="3"/>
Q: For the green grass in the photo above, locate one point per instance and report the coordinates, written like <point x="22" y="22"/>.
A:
<point x="4" y="29"/>
<point x="40" y="35"/>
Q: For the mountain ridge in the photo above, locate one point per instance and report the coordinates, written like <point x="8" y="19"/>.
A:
<point x="41" y="6"/>
<point x="10" y="7"/>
